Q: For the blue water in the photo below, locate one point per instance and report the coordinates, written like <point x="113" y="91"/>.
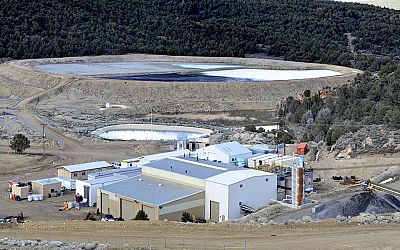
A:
<point x="179" y="77"/>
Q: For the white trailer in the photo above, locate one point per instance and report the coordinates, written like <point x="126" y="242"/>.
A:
<point x="66" y="183"/>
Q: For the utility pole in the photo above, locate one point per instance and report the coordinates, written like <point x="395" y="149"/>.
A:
<point x="43" y="142"/>
<point x="151" y="124"/>
<point x="282" y="131"/>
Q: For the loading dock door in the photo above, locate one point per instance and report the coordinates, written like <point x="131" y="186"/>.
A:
<point x="214" y="211"/>
<point x="105" y="209"/>
<point x="86" y="192"/>
<point x="149" y="211"/>
<point x="128" y="210"/>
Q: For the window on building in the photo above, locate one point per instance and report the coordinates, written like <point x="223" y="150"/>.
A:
<point x="75" y="174"/>
<point x="83" y="173"/>
<point x="52" y="190"/>
<point x="233" y="159"/>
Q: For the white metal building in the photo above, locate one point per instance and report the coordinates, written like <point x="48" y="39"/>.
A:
<point x="232" y="194"/>
<point x="67" y="183"/>
<point x="225" y="191"/>
<point x="88" y="188"/>
<point x="259" y="160"/>
<point x="225" y="152"/>
<point x="81" y="171"/>
<point x="159" y="199"/>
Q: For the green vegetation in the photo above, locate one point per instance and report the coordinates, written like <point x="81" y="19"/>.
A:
<point x="311" y="31"/>
<point x="19" y="143"/>
<point x="186" y="217"/>
<point x="141" y="215"/>
<point x="252" y="128"/>
<point x="368" y="100"/>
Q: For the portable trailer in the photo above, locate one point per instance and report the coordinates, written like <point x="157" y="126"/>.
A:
<point x="66" y="183"/>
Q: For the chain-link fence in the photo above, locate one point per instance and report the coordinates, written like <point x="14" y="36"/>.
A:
<point x="136" y="241"/>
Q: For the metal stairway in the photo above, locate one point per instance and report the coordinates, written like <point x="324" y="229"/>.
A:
<point x="245" y="208"/>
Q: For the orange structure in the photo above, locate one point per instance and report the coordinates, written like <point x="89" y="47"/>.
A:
<point x="302" y="148"/>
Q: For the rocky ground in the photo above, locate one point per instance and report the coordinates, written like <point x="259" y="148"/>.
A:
<point x="78" y="123"/>
<point x="10" y="125"/>
<point x="371" y="139"/>
<point x="247" y="137"/>
<point x="171" y="235"/>
<point x="40" y="244"/>
<point x="361" y="208"/>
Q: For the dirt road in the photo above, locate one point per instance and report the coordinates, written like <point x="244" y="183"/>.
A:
<point x="169" y="235"/>
<point x="25" y="115"/>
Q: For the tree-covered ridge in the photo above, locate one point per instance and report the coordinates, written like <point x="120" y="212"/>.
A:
<point x="368" y="100"/>
<point x="312" y="31"/>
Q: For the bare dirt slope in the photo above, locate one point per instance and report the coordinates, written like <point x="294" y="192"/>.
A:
<point x="168" y="235"/>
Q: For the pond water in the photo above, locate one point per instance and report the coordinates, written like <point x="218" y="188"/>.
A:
<point x="115" y="68"/>
<point x="144" y="135"/>
<point x="205" y="65"/>
<point x="231" y="75"/>
<point x="179" y="77"/>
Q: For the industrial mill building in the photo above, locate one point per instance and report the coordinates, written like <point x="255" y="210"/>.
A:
<point x="209" y="190"/>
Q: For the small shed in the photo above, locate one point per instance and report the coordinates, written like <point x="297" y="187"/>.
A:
<point x="81" y="171"/>
<point x="45" y="187"/>
<point x="302" y="148"/>
<point x="21" y="191"/>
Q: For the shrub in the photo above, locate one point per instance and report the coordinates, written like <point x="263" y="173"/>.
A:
<point x="141" y="215"/>
<point x="186" y="217"/>
<point x="250" y="128"/>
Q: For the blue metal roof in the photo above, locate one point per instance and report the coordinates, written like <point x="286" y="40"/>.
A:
<point x="132" y="171"/>
<point x="190" y="167"/>
<point x="151" y="190"/>
<point x="230" y="148"/>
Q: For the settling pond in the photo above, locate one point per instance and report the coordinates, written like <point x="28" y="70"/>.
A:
<point x="146" y="132"/>
<point x="181" y="72"/>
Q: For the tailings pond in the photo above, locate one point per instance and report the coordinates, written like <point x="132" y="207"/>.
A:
<point x="181" y="72"/>
<point x="145" y="132"/>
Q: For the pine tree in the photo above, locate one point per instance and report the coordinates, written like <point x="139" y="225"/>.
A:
<point x="19" y="143"/>
<point x="141" y="215"/>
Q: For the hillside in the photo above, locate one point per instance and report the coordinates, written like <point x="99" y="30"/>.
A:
<point x="369" y="100"/>
<point x="393" y="4"/>
<point x="310" y="31"/>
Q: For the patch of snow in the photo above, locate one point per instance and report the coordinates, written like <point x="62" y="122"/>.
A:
<point x="272" y="75"/>
<point x="205" y="66"/>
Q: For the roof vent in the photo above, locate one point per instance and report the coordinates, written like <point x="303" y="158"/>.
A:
<point x="140" y="179"/>
<point x="160" y="185"/>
